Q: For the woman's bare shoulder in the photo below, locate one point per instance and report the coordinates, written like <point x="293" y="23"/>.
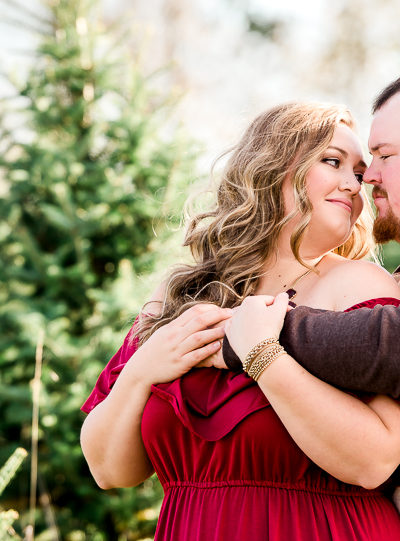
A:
<point x="354" y="281"/>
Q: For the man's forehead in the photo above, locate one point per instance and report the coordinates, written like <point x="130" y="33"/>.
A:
<point x="385" y="127"/>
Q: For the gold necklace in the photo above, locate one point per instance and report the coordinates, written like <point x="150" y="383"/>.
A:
<point x="292" y="292"/>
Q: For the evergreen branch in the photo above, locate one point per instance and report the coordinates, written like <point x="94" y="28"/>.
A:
<point x="117" y="42"/>
<point x="30" y="244"/>
<point x="6" y="145"/>
<point x="23" y="7"/>
<point x="7" y="532"/>
<point x="10" y="468"/>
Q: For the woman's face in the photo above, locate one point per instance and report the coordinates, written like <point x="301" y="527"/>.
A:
<point x="333" y="187"/>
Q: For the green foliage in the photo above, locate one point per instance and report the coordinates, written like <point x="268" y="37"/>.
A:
<point x="89" y="184"/>
<point x="10" y="468"/>
<point x="7" y="519"/>
<point x="7" y="472"/>
<point x="391" y="255"/>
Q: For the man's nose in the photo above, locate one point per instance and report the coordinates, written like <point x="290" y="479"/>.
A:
<point x="372" y="174"/>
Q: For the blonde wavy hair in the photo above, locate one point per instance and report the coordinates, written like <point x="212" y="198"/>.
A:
<point x="231" y="242"/>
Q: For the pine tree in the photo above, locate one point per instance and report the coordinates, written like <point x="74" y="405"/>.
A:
<point x="87" y="181"/>
<point x="7" y="472"/>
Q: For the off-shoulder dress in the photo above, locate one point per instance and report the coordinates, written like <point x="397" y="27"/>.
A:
<point x="231" y="472"/>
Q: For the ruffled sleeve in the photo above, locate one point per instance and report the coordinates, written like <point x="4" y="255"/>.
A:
<point x="208" y="401"/>
<point x="212" y="402"/>
<point x="371" y="303"/>
<point x="111" y="372"/>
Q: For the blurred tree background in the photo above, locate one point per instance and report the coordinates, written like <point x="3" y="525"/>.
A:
<point x="94" y="168"/>
<point x="93" y="187"/>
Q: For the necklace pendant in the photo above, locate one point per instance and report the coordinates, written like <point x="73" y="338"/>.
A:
<point x="292" y="293"/>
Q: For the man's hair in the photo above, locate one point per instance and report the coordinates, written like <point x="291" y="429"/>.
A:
<point x="385" y="95"/>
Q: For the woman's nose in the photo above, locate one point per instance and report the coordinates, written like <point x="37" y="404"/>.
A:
<point x="350" y="183"/>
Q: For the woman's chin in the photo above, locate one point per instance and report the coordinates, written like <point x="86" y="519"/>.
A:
<point x="325" y="239"/>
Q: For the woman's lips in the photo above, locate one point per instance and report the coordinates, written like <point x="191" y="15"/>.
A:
<point x="344" y="203"/>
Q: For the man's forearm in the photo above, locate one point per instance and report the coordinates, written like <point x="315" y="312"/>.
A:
<point x="358" y="350"/>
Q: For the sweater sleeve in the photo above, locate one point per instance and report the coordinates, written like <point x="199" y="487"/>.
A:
<point x="357" y="350"/>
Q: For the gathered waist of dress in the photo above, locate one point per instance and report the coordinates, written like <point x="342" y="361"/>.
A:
<point x="349" y="490"/>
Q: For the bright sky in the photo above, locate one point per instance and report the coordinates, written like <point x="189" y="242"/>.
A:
<point x="228" y="74"/>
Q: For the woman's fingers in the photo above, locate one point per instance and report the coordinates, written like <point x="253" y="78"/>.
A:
<point x="216" y="360"/>
<point x="275" y="304"/>
<point x="267" y="299"/>
<point x="280" y="303"/>
<point x="195" y="311"/>
<point x="203" y="320"/>
<point x="200" y="338"/>
<point x="195" y="356"/>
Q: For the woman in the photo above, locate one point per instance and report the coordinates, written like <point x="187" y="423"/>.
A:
<point x="311" y="466"/>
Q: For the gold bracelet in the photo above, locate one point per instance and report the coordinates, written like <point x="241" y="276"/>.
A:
<point x="268" y="349"/>
<point x="256" y="350"/>
<point x="264" y="360"/>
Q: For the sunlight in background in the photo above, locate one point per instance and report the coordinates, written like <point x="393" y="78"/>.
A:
<point x="232" y="58"/>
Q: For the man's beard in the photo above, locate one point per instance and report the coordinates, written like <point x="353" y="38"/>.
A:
<point x="386" y="228"/>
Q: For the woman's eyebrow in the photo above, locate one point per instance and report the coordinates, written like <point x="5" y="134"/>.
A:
<point x="341" y="150"/>
<point x="345" y="154"/>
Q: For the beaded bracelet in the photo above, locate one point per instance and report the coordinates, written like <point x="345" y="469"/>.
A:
<point x="256" y="350"/>
<point x="264" y="360"/>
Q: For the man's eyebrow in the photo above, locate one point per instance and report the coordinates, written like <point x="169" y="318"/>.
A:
<point x="345" y="154"/>
<point x="378" y="146"/>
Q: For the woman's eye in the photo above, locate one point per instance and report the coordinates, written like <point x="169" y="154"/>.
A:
<point x="359" y="177"/>
<point x="335" y="162"/>
<point x="385" y="156"/>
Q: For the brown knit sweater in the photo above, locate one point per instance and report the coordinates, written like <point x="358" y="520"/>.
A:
<point x="357" y="350"/>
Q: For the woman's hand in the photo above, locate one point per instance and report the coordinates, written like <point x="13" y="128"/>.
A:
<point x="183" y="343"/>
<point x="216" y="359"/>
<point x="257" y="318"/>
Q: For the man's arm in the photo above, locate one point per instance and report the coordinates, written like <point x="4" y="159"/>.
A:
<point x="357" y="350"/>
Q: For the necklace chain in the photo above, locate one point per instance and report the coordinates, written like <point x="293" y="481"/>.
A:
<point x="296" y="280"/>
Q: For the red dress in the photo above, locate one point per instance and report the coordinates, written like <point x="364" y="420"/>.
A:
<point x="231" y="471"/>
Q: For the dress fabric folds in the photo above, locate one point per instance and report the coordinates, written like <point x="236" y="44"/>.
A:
<point x="231" y="472"/>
